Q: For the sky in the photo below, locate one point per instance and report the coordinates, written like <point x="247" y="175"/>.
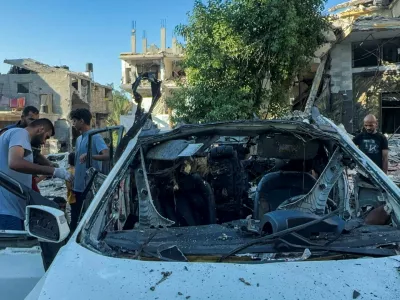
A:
<point x="73" y="33"/>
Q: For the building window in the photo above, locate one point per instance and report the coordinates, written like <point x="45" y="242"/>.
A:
<point x="391" y="51"/>
<point x="151" y="68"/>
<point x="376" y="53"/>
<point x="23" y="88"/>
<point x="128" y="78"/>
<point x="390" y="112"/>
<point x="75" y="85"/>
<point x="46" y="103"/>
<point x="366" y="54"/>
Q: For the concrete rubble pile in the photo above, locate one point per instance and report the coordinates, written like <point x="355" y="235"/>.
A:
<point x="394" y="158"/>
<point x="359" y="6"/>
<point x="55" y="187"/>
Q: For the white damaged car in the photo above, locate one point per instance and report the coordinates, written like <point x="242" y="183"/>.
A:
<point x="235" y="210"/>
<point x="260" y="209"/>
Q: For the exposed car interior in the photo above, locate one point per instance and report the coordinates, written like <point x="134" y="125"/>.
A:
<point x="224" y="190"/>
<point x="248" y="191"/>
<point x="213" y="182"/>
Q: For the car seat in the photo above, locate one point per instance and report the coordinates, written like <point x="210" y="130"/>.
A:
<point x="274" y="188"/>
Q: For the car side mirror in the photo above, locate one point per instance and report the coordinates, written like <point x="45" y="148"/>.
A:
<point x="46" y="223"/>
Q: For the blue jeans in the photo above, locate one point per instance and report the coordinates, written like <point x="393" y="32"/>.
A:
<point x="11" y="223"/>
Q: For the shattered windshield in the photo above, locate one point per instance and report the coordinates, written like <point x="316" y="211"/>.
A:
<point x="278" y="191"/>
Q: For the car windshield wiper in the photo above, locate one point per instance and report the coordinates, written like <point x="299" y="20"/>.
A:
<point x="144" y="244"/>
<point x="273" y="237"/>
<point x="166" y="253"/>
<point x="373" y="252"/>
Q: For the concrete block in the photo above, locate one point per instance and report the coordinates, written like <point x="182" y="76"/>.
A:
<point x="335" y="89"/>
<point x="347" y="85"/>
<point x="347" y="74"/>
<point x="322" y="50"/>
<point x="329" y="35"/>
<point x="346" y="65"/>
<point x="336" y="74"/>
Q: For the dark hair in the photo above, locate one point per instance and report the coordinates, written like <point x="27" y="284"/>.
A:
<point x="43" y="122"/>
<point x="71" y="158"/>
<point x="29" y="109"/>
<point x="81" y="114"/>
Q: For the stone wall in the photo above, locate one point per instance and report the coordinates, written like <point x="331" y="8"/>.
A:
<point x="60" y="84"/>
<point x="101" y="99"/>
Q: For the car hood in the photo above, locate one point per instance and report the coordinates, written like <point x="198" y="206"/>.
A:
<point x="78" y="273"/>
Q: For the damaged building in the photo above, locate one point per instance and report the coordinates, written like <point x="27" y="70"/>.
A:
<point x="164" y="63"/>
<point x="357" y="71"/>
<point x="360" y="66"/>
<point x="55" y="91"/>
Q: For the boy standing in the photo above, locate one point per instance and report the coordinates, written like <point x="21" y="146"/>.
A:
<point x="81" y="119"/>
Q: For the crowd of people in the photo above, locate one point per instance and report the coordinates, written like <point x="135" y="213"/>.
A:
<point x="20" y="159"/>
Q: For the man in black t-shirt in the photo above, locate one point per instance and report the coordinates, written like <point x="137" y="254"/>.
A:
<point x="373" y="143"/>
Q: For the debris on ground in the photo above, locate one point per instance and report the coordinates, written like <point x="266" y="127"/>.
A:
<point x="356" y="294"/>
<point x="394" y="158"/>
<point x="55" y="187"/>
<point x="165" y="276"/>
<point x="223" y="237"/>
<point x="244" y="281"/>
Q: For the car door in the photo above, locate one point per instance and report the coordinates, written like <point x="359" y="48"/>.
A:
<point x="97" y="173"/>
<point x="112" y="137"/>
<point x="21" y="259"/>
<point x="21" y="262"/>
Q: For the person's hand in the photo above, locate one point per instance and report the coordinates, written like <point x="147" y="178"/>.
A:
<point x="82" y="158"/>
<point x="62" y="173"/>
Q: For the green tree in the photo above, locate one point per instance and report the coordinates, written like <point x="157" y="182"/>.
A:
<point x="120" y="106"/>
<point x="241" y="56"/>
